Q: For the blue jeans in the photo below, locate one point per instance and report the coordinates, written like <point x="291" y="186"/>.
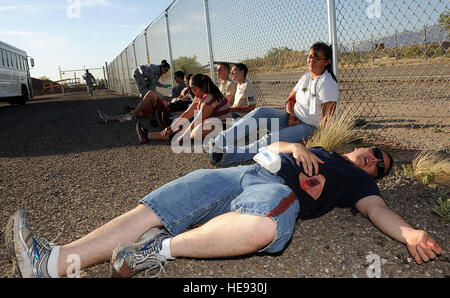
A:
<point x="272" y="120"/>
<point x="204" y="194"/>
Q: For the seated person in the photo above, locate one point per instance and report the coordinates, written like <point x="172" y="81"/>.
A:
<point x="148" y="106"/>
<point x="176" y="91"/>
<point x="226" y="85"/>
<point x="208" y="106"/>
<point x="217" y="213"/>
<point x="146" y="78"/>
<point x="312" y="99"/>
<point x="245" y="96"/>
<point x="182" y="102"/>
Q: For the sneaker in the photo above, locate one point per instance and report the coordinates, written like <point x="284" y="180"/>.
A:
<point x="142" y="133"/>
<point x="126" y="118"/>
<point x="130" y="258"/>
<point x="103" y="117"/>
<point x="29" y="251"/>
<point x="215" y="158"/>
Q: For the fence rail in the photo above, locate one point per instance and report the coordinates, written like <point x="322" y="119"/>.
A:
<point x="391" y="57"/>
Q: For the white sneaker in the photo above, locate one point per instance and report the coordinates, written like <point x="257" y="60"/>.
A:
<point x="126" y="118"/>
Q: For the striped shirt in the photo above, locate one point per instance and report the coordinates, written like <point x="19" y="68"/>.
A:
<point x="221" y="108"/>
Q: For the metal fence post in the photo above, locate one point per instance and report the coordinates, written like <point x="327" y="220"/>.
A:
<point x="106" y="73"/>
<point x="172" y="71"/>
<point x="60" y="77"/>
<point x="332" y="33"/>
<point x="123" y="71"/>
<point x="208" y="34"/>
<point x="147" y="55"/>
<point x="128" y="73"/>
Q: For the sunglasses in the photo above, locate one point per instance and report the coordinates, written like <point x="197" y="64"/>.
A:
<point x="380" y="165"/>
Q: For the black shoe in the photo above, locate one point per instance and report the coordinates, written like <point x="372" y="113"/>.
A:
<point x="215" y="158"/>
<point x="142" y="133"/>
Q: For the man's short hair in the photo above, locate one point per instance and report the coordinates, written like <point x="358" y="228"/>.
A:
<point x="225" y="64"/>
<point x="243" y="67"/>
<point x="179" y="74"/>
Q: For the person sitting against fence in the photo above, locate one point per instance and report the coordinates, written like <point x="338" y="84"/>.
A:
<point x="176" y="91"/>
<point x="146" y="78"/>
<point x="226" y="85"/>
<point x="244" y="99"/>
<point x="145" y="108"/>
<point x="312" y="99"/>
<point x="184" y="100"/>
<point x="218" y="213"/>
<point x="209" y="111"/>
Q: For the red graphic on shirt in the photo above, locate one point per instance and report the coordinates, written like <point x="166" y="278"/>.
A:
<point x="312" y="185"/>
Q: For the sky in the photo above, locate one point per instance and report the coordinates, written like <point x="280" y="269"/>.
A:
<point x="78" y="34"/>
<point x="74" y="34"/>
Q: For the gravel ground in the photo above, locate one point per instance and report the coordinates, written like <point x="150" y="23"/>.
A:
<point x="73" y="174"/>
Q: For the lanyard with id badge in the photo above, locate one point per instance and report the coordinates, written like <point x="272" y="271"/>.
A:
<point x="313" y="100"/>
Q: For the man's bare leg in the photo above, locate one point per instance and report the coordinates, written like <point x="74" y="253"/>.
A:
<point x="97" y="246"/>
<point x="148" y="100"/>
<point x="230" y="234"/>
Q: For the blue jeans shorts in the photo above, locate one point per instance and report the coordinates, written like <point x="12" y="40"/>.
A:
<point x="204" y="194"/>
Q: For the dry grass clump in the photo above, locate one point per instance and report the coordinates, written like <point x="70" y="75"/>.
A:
<point x="337" y="134"/>
<point x="430" y="167"/>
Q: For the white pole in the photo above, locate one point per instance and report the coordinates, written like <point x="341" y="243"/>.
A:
<point x="208" y="34"/>
<point x="60" y="77"/>
<point x="169" y="44"/>
<point x="333" y="34"/>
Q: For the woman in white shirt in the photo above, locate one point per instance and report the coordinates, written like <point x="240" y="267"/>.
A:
<point x="312" y="99"/>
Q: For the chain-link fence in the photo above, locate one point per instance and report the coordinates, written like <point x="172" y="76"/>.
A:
<point x="391" y="57"/>
<point x="71" y="80"/>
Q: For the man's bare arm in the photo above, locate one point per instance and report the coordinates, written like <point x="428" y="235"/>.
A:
<point x="420" y="245"/>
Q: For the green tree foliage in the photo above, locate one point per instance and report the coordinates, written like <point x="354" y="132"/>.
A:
<point x="188" y="65"/>
<point x="444" y="20"/>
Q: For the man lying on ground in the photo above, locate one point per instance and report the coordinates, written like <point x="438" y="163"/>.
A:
<point x="235" y="211"/>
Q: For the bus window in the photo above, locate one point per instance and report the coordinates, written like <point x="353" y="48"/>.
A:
<point x="4" y="57"/>
<point x="14" y="58"/>
<point x="1" y="58"/>
<point x="19" y="62"/>
<point x="9" y="59"/>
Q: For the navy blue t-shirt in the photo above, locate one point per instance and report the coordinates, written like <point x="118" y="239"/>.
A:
<point x="338" y="184"/>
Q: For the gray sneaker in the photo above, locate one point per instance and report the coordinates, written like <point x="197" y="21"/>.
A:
<point x="132" y="257"/>
<point x="29" y="251"/>
<point x="103" y="117"/>
<point x="126" y="118"/>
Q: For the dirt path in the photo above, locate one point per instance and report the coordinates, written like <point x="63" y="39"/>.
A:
<point x="73" y="174"/>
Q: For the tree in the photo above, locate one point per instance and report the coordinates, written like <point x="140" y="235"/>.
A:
<point x="188" y="65"/>
<point x="44" y="78"/>
<point x="444" y="20"/>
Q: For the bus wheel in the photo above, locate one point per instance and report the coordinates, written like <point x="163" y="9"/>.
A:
<point x="25" y="97"/>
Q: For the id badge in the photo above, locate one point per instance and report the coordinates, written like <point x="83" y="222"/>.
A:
<point x="312" y="105"/>
<point x="251" y="100"/>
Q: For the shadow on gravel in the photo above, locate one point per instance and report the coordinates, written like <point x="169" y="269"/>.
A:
<point x="63" y="125"/>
